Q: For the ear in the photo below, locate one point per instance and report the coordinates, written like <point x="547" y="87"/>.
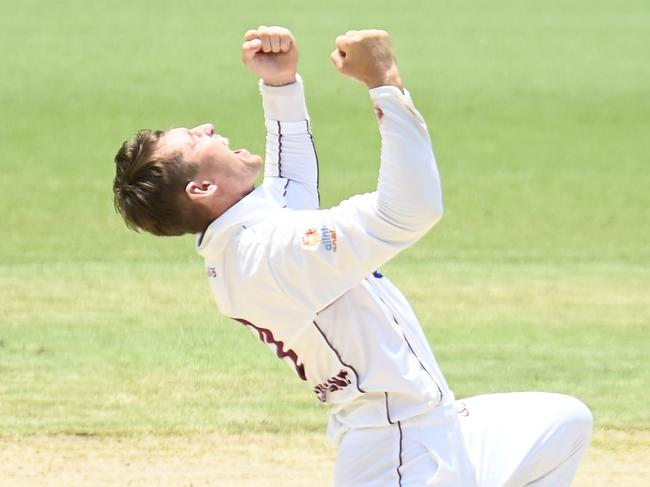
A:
<point x="198" y="190"/>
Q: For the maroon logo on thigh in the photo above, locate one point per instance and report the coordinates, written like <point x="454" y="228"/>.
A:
<point x="336" y="383"/>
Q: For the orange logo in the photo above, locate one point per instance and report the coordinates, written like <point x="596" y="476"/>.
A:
<point x="311" y="239"/>
<point x="324" y="236"/>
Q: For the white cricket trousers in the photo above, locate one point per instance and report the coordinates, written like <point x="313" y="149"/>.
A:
<point x="494" y="440"/>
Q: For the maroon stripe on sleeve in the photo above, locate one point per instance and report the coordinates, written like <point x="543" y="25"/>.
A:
<point x="313" y="146"/>
<point x="279" y="149"/>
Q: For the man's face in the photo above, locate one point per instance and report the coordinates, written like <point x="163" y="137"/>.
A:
<point x="234" y="171"/>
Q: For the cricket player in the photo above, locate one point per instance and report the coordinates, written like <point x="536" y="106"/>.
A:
<point x="306" y="281"/>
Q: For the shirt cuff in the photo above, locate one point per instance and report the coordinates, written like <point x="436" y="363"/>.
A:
<point x="386" y="94"/>
<point x="284" y="103"/>
<point x="390" y="91"/>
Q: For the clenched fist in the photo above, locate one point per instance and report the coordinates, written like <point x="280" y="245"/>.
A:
<point x="272" y="54"/>
<point x="367" y="56"/>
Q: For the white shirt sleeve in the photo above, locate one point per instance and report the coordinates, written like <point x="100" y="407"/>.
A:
<point x="290" y="148"/>
<point x="313" y="257"/>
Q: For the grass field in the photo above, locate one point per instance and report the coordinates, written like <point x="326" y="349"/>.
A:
<point x="538" y="277"/>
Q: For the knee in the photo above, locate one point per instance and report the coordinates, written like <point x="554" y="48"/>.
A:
<point x="577" y="420"/>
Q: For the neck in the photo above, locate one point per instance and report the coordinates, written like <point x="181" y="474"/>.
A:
<point x="223" y="205"/>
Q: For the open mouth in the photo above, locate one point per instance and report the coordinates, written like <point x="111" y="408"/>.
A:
<point x="242" y="152"/>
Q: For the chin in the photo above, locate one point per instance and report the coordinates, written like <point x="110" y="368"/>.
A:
<point x="257" y="163"/>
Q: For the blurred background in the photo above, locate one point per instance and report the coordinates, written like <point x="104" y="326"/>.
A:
<point x="537" y="278"/>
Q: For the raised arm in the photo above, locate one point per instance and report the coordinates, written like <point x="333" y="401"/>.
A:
<point x="409" y="194"/>
<point x="272" y="54"/>
<point x="313" y="257"/>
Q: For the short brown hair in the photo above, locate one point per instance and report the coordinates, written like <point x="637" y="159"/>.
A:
<point x="149" y="185"/>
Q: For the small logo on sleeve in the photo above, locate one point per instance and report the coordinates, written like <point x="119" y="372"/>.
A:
<point x="461" y="409"/>
<point x="212" y="271"/>
<point x="380" y="113"/>
<point x="324" y="236"/>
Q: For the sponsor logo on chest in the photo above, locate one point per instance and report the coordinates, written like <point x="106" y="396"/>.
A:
<point x="323" y="237"/>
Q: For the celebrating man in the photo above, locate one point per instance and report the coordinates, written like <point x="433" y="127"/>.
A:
<point x="305" y="280"/>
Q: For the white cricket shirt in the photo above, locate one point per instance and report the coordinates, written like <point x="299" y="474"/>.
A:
<point x="305" y="281"/>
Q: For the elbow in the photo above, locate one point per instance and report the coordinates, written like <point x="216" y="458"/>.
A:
<point x="436" y="215"/>
<point x="413" y="216"/>
<point x="431" y="218"/>
<point x="413" y="220"/>
<point x="432" y="211"/>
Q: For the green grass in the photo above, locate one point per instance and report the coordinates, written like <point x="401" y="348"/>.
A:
<point x="537" y="278"/>
<point x="117" y="350"/>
